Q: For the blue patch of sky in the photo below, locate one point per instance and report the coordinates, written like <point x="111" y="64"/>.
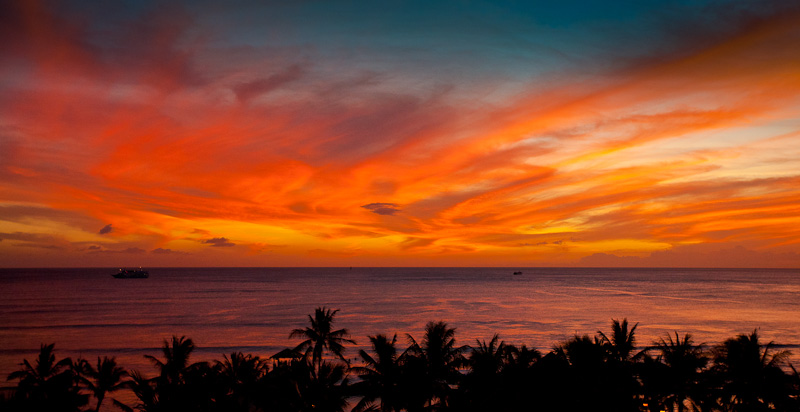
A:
<point x="517" y="38"/>
<point x="515" y="41"/>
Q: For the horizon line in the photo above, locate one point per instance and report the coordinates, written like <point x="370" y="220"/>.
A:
<point x="405" y="267"/>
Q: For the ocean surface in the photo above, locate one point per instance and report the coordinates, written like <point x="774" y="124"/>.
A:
<point x="88" y="313"/>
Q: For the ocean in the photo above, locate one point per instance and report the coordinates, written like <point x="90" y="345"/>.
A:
<point x="88" y="313"/>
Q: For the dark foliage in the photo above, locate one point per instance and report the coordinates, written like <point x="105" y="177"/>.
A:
<point x="604" y="372"/>
<point x="46" y="385"/>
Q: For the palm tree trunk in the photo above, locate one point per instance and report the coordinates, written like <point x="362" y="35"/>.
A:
<point x="99" y="401"/>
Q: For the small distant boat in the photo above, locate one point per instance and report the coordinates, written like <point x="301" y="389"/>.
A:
<point x="132" y="274"/>
<point x="517" y="273"/>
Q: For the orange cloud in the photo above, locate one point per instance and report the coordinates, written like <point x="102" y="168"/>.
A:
<point x="699" y="147"/>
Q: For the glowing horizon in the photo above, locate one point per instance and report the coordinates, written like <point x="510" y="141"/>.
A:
<point x="333" y="134"/>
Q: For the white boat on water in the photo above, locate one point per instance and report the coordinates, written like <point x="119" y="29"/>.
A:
<point x="132" y="274"/>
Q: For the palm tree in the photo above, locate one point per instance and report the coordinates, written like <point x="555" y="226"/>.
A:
<point x="487" y="359"/>
<point x="326" y="390"/>
<point x="441" y="358"/>
<point x="481" y="388"/>
<point x="47" y="384"/>
<point x="751" y="375"/>
<point x="241" y="369"/>
<point x="239" y="376"/>
<point x="296" y="386"/>
<point x="180" y="385"/>
<point x="320" y="337"/>
<point x="622" y="341"/>
<point x="379" y="376"/>
<point x="582" y="352"/>
<point x="623" y="392"/>
<point x="105" y="378"/>
<point x="684" y="360"/>
<point x="520" y="358"/>
<point x="176" y="359"/>
<point x="672" y="379"/>
<point x="45" y="368"/>
<point x="595" y="375"/>
<point x="145" y="392"/>
<point x="519" y="374"/>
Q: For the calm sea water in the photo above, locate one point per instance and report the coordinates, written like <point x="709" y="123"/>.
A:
<point x="88" y="313"/>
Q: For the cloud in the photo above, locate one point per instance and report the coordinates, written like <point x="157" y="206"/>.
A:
<point x="162" y="251"/>
<point x="386" y="209"/>
<point x="26" y="213"/>
<point x="354" y="232"/>
<point x="699" y="255"/>
<point x="334" y="253"/>
<point x="412" y="243"/>
<point x="248" y="90"/>
<point x="256" y="248"/>
<point x="218" y="242"/>
<point x="36" y="240"/>
<point x="293" y="138"/>
<point x="543" y="243"/>
<point x="126" y="251"/>
<point x="40" y="246"/>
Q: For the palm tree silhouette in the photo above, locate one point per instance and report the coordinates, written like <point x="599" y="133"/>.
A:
<point x="684" y="360"/>
<point x="176" y="360"/>
<point x="487" y="359"/>
<point x="624" y="389"/>
<point x="320" y="337"/>
<point x="672" y="379"/>
<point x="519" y="374"/>
<point x="379" y="376"/>
<point x="296" y="386"/>
<point x="145" y="392"/>
<point x="241" y="369"/>
<point x="47" y="384"/>
<point x="622" y="341"/>
<point x="582" y="352"/>
<point x="750" y="374"/>
<point x="441" y="358"/>
<point x="107" y="377"/>
<point x="179" y="385"/>
<point x="594" y="375"/>
<point x="239" y="377"/>
<point x="326" y="390"/>
<point x="481" y="388"/>
<point x="43" y="370"/>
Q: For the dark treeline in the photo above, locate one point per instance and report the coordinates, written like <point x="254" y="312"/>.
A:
<point x="604" y="372"/>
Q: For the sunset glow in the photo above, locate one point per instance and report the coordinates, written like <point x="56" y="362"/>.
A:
<point x="400" y="134"/>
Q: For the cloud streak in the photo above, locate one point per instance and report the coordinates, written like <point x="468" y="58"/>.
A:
<point x="218" y="242"/>
<point x="611" y="143"/>
<point x="386" y="209"/>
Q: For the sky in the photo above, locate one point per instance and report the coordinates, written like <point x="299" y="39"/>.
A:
<point x="400" y="133"/>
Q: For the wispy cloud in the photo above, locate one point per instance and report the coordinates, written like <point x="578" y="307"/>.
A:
<point x="126" y="251"/>
<point x="275" y="134"/>
<point x="382" y="208"/>
<point x="162" y="251"/>
<point x="219" y="242"/>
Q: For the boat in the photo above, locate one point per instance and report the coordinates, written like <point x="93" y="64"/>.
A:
<point x="132" y="274"/>
<point x="517" y="273"/>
